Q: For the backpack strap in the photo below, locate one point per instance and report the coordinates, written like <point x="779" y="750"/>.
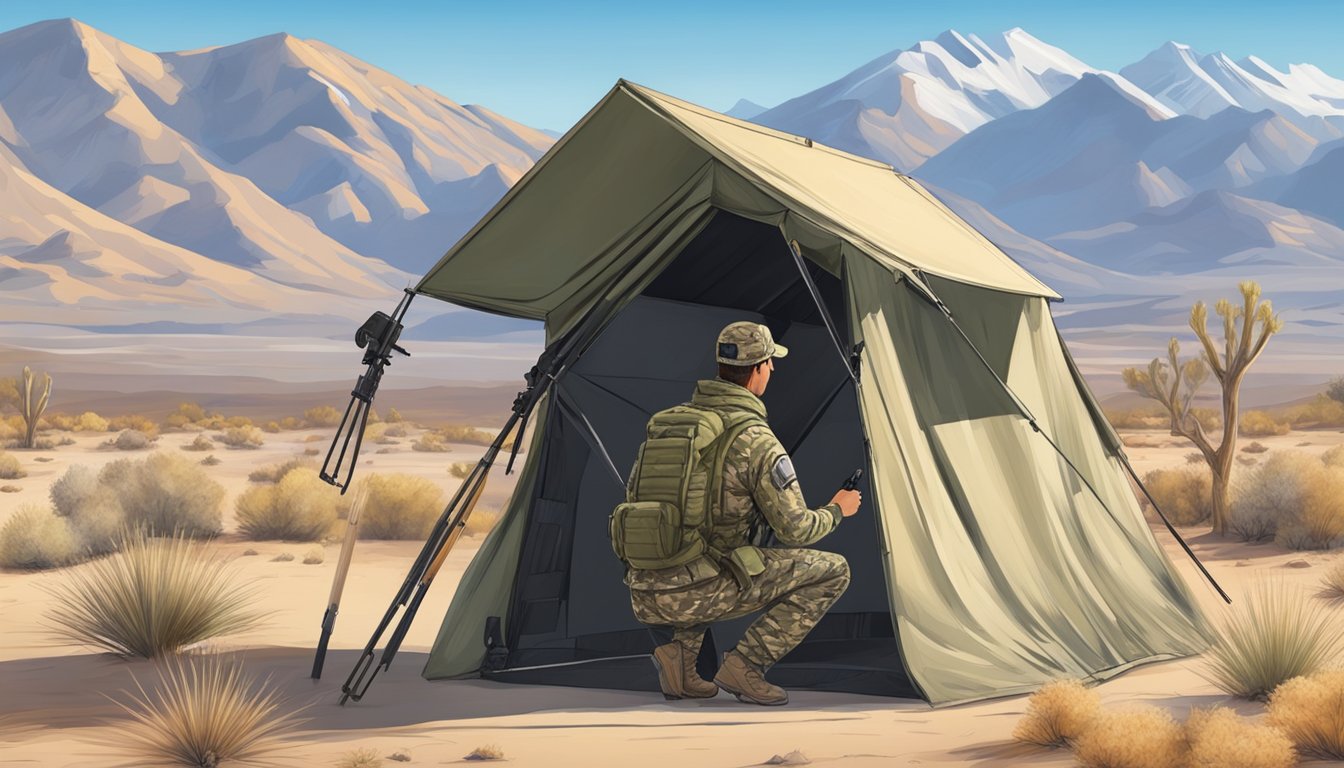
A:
<point x="734" y="426"/>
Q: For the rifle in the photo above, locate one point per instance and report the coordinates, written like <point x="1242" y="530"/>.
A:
<point x="338" y="581"/>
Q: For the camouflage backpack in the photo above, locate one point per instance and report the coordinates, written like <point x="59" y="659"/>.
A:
<point x="676" y="487"/>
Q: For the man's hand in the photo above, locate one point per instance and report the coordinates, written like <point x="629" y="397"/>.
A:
<point x="849" y="502"/>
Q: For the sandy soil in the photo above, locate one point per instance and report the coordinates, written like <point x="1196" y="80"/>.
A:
<point x="54" y="711"/>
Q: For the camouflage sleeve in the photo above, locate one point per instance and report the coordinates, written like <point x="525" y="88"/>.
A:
<point x="775" y="489"/>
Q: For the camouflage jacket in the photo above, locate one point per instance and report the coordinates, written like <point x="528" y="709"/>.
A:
<point x="758" y="484"/>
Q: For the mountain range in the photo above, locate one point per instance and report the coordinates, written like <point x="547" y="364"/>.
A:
<point x="282" y="179"/>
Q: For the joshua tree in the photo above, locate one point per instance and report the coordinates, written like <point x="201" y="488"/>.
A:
<point x="30" y="406"/>
<point x="1173" y="383"/>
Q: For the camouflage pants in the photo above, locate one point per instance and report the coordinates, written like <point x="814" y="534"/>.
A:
<point x="795" y="590"/>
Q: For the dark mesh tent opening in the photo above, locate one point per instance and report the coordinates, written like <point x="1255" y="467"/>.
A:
<point x="574" y="626"/>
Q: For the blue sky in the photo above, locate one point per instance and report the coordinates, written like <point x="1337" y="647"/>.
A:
<point x="546" y="63"/>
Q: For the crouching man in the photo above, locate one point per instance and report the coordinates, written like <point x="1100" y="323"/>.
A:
<point x="739" y="478"/>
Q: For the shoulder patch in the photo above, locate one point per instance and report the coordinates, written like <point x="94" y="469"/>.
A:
<point x="782" y="473"/>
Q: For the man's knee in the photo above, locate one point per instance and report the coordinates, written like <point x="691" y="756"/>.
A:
<point x="835" y="568"/>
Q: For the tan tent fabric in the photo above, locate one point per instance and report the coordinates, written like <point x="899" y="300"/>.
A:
<point x="559" y="234"/>
<point x="974" y="503"/>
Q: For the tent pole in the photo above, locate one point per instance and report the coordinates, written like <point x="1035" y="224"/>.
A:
<point x="1036" y="428"/>
<point x="590" y="435"/>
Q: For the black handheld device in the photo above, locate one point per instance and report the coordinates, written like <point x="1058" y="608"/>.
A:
<point x="853" y="481"/>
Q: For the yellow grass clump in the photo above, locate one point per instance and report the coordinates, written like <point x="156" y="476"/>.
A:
<point x="1146" y="737"/>
<point x="301" y="507"/>
<point x="201" y="443"/>
<point x="1273" y="635"/>
<point x="34" y="537"/>
<point x="89" y="421"/>
<point x="486" y="752"/>
<point x="1057" y="714"/>
<point x="273" y="473"/>
<point x="134" y="421"/>
<point x="204" y="712"/>
<point x="10" y="468"/>
<point x="1219" y="738"/>
<point x="482" y="521"/>
<point x="1320" y="412"/>
<point x="1310" y="710"/>
<point x="1293" y="498"/>
<point x="242" y="437"/>
<point x="399" y="506"/>
<point x="366" y="757"/>
<point x="1184" y="495"/>
<point x="1261" y="424"/>
<point x="314" y="556"/>
<point x="153" y="598"/>
<point x="321" y="416"/>
<point x="430" y="442"/>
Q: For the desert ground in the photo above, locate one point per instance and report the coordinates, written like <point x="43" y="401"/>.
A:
<point x="56" y="710"/>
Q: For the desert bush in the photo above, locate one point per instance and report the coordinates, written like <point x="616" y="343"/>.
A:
<point x="1261" y="424"/>
<point x="134" y="421"/>
<point x="399" y="507"/>
<point x="430" y="442"/>
<point x="1269" y="496"/>
<point x="154" y="597"/>
<point x="242" y="437"/>
<point x="34" y="537"/>
<point x="1310" y="711"/>
<point x="322" y="416"/>
<point x="89" y="421"/>
<point x="1273" y="635"/>
<point x="1057" y="714"/>
<point x="291" y="423"/>
<point x="1138" y="418"/>
<point x="131" y="440"/>
<point x="283" y="557"/>
<point x="60" y="422"/>
<point x="1219" y="738"/>
<point x="461" y="469"/>
<point x="271" y="427"/>
<point x="482" y="521"/>
<point x="238" y="422"/>
<point x="1184" y="495"/>
<point x="394" y="416"/>
<point x="1210" y="419"/>
<point x="311" y="451"/>
<point x="1144" y="737"/>
<point x="1194" y="457"/>
<point x="1301" y="496"/>
<point x="205" y="712"/>
<point x="395" y="430"/>
<point x="1333" y="457"/>
<point x="166" y="492"/>
<point x="486" y="752"/>
<point x="456" y="433"/>
<point x="201" y="443"/>
<point x="274" y="472"/>
<point x="73" y="489"/>
<point x="1319" y="413"/>
<point x="374" y="432"/>
<point x="314" y="556"/>
<point x="210" y="461"/>
<point x="98" y="523"/>
<point x="1255" y="447"/>
<point x="9" y="467"/>
<point x="301" y="507"/>
<point x="187" y="413"/>
<point x="366" y="757"/>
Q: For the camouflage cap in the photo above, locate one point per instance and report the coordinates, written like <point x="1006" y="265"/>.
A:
<point x="747" y="343"/>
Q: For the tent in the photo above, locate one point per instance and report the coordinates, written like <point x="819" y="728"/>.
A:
<point x="999" y="545"/>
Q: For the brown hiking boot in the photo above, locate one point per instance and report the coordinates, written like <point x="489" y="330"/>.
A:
<point x="746" y="681"/>
<point x="676" y="673"/>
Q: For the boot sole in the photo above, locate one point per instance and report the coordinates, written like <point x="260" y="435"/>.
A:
<point x="747" y="699"/>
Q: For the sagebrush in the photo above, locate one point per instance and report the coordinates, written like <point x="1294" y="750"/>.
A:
<point x="1057" y="714"/>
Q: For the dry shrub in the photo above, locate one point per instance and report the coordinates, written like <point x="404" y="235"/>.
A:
<point x="1310" y="710"/>
<point x="154" y="597"/>
<point x="1332" y="581"/>
<point x="1273" y="635"/>
<point x="9" y="467"/>
<point x="360" y="758"/>
<point x="1261" y="424"/>
<point x="73" y="488"/>
<point x="58" y="421"/>
<point x="201" y="443"/>
<point x="1320" y="412"/>
<point x="314" y="556"/>
<point x="482" y="521"/>
<point x="204" y="712"/>
<point x="1194" y="457"/>
<point x="291" y="423"/>
<point x="456" y="433"/>
<point x="210" y="461"/>
<point x="1218" y="738"/>
<point x="98" y="523"/>
<point x="271" y="427"/>
<point x="311" y="451"/>
<point x="399" y="506"/>
<point x="165" y="493"/>
<point x="461" y="469"/>
<point x="1333" y="457"/>
<point x="242" y="437"/>
<point x="36" y="538"/>
<point x="1270" y="495"/>
<point x="136" y="422"/>
<point x="1138" y="418"/>
<point x="283" y="557"/>
<point x="89" y="421"/>
<point x="486" y="752"/>
<point x="395" y="430"/>
<point x="1145" y="737"/>
<point x="1057" y="714"/>
<point x="394" y="416"/>
<point x="10" y="489"/>
<point x="273" y="473"/>
<point x="131" y="440"/>
<point x="1255" y="447"/>
<point x="301" y="507"/>
<point x="322" y="416"/>
<point x="374" y="432"/>
<point x="1184" y="495"/>
<point x="430" y="443"/>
